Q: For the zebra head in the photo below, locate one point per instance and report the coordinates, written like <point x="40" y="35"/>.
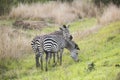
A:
<point x="73" y="47"/>
<point x="66" y="32"/>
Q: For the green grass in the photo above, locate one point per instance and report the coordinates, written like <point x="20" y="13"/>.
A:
<point x="5" y="22"/>
<point x="102" y="48"/>
<point x="82" y="24"/>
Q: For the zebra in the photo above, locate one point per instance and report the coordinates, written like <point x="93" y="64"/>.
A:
<point x="64" y="32"/>
<point x="55" y="43"/>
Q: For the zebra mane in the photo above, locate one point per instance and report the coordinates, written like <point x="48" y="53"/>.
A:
<point x="71" y="44"/>
<point x="77" y="47"/>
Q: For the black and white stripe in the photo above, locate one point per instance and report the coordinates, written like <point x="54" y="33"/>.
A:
<point x="49" y="44"/>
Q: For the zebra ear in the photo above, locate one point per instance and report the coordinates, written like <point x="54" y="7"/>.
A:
<point x="71" y="37"/>
<point x="61" y="28"/>
<point x="64" y="26"/>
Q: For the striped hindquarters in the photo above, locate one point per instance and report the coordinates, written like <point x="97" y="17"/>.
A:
<point x="50" y="44"/>
<point x="36" y="45"/>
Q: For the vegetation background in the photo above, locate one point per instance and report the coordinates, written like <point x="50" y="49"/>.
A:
<point x="94" y="24"/>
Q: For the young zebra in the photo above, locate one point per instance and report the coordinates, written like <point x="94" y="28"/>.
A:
<point x="38" y="40"/>
<point x="56" y="43"/>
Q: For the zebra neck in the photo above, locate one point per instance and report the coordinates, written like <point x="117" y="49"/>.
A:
<point x="69" y="46"/>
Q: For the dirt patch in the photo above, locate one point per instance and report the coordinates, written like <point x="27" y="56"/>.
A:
<point x="25" y="24"/>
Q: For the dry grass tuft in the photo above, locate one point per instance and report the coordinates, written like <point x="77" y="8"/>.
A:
<point x="12" y="43"/>
<point x="110" y="14"/>
<point x="55" y="12"/>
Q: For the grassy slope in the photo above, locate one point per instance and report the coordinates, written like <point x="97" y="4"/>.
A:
<point x="102" y="48"/>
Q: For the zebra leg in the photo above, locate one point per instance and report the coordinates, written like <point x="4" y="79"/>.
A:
<point x="54" y="63"/>
<point x="61" y="52"/>
<point x="37" y="60"/>
<point x="54" y="58"/>
<point x="41" y="60"/>
<point x="58" y="58"/>
<point x="50" y="56"/>
<point x="47" y="54"/>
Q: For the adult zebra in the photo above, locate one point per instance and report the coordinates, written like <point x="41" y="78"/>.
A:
<point x="54" y="44"/>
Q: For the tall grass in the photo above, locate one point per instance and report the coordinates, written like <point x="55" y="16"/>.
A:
<point x="110" y="14"/>
<point x="13" y="44"/>
<point x="56" y="12"/>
